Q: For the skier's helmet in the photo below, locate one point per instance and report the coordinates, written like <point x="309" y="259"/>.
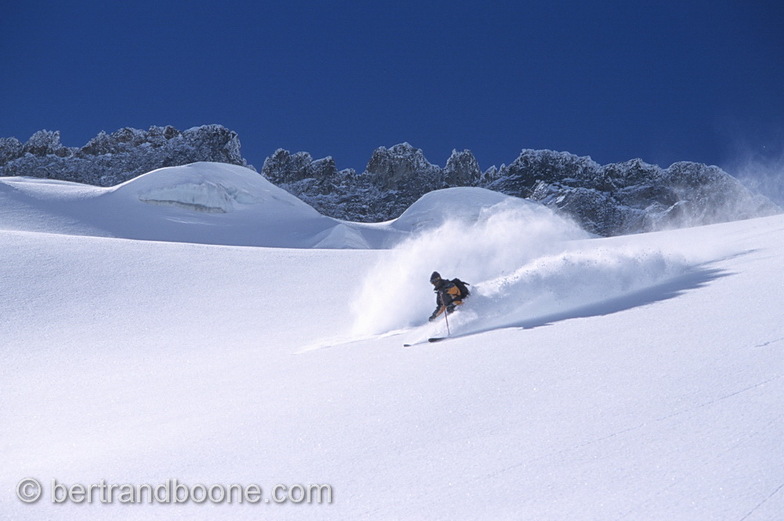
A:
<point x="435" y="277"/>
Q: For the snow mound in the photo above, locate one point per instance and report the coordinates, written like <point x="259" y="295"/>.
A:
<point x="209" y="187"/>
<point x="462" y="204"/>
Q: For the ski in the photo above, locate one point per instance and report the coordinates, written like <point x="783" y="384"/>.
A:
<point x="431" y="340"/>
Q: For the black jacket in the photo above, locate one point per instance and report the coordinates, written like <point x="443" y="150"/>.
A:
<point x="447" y="297"/>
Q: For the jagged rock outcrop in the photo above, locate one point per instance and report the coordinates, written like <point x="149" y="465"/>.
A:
<point x="393" y="168"/>
<point x="110" y="159"/>
<point x="320" y="184"/>
<point x="392" y="181"/>
<point x="462" y="169"/>
<point x="613" y="199"/>
<point x="628" y="197"/>
<point x="10" y="149"/>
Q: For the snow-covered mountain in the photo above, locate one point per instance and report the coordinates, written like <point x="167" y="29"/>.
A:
<point x="635" y="377"/>
<point x="607" y="200"/>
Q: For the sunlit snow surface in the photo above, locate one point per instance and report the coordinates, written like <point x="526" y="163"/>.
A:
<point x="634" y="377"/>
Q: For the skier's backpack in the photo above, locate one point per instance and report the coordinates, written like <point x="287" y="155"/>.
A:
<point x="462" y="287"/>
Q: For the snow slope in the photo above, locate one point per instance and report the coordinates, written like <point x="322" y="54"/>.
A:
<point x="634" y="377"/>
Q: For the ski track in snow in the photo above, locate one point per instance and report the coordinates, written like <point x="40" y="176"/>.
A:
<point x="769" y="342"/>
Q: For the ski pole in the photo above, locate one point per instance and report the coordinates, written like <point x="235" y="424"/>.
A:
<point x="446" y="312"/>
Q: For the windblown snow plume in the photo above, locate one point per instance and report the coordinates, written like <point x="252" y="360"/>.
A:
<point x="580" y="280"/>
<point x="522" y="261"/>
<point x="763" y="175"/>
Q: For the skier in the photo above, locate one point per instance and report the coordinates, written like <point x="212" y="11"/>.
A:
<point x="449" y="294"/>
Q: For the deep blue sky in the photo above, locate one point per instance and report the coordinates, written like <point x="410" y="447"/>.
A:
<point x="664" y="81"/>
